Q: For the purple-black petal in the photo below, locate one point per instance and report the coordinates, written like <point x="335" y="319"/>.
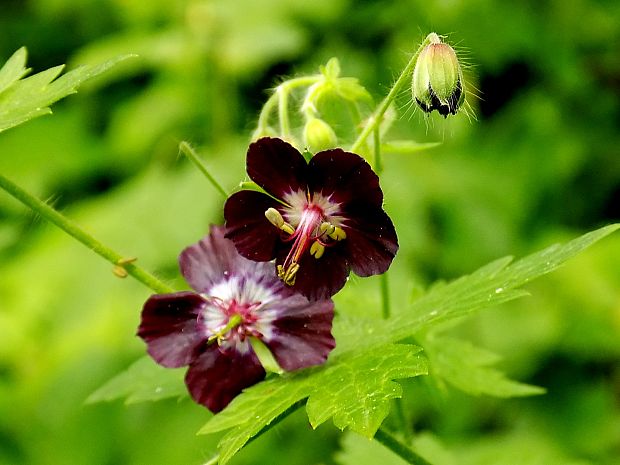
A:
<point x="210" y="260"/>
<point x="321" y="278"/>
<point x="301" y="334"/>
<point x="371" y="242"/>
<point x="344" y="177"/>
<point x="276" y="166"/>
<point x="253" y="235"/>
<point x="169" y="327"/>
<point x="217" y="376"/>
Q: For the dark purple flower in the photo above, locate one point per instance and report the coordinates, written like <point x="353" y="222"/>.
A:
<point x="235" y="299"/>
<point x="320" y="220"/>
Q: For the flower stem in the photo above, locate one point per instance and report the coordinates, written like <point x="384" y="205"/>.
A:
<point x="285" y="125"/>
<point x="378" y="164"/>
<point x="402" y="450"/>
<point x="190" y="153"/>
<point x="282" y="104"/>
<point x="385" y="296"/>
<point x="375" y="120"/>
<point x="78" y="233"/>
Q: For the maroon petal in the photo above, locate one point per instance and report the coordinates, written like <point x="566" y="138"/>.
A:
<point x="276" y="166"/>
<point x="211" y="260"/>
<point x="301" y="336"/>
<point x="169" y="327"/>
<point x="321" y="278"/>
<point x="371" y="241"/>
<point x="217" y="376"/>
<point x="345" y="176"/>
<point x="254" y="236"/>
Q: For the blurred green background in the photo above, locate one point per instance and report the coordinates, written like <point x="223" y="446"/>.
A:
<point x="541" y="164"/>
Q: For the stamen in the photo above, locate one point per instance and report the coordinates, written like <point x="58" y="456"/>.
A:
<point x="289" y="274"/>
<point x="338" y="234"/>
<point x="317" y="249"/>
<point x="326" y="228"/>
<point x="275" y="218"/>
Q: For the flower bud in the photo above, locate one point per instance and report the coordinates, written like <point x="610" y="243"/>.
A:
<point x="437" y="78"/>
<point x="318" y="135"/>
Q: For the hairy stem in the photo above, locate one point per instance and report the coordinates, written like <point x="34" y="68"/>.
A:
<point x="375" y="120"/>
<point x="190" y="153"/>
<point x="402" y="450"/>
<point x="78" y="233"/>
<point x="285" y="125"/>
<point x="275" y="101"/>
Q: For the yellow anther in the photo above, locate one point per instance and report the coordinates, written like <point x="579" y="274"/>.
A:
<point x="338" y="234"/>
<point x="326" y="228"/>
<point x="288" y="275"/>
<point x="287" y="228"/>
<point x="275" y="218"/>
<point x="317" y="249"/>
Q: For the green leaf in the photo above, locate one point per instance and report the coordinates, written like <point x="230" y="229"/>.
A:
<point x="491" y="285"/>
<point x="22" y="100"/>
<point x="355" y="390"/>
<point x="14" y="69"/>
<point x="466" y="367"/>
<point x="143" y="381"/>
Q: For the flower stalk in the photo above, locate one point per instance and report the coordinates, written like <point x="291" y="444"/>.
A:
<point x="190" y="153"/>
<point x="402" y="450"/>
<point x="82" y="236"/>
<point x="374" y="121"/>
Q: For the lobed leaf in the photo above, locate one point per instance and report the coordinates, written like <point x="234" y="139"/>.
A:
<point x="24" y="99"/>
<point x="13" y="70"/>
<point x="355" y="390"/>
<point x="142" y="381"/>
<point x="466" y="367"/>
<point x="356" y="385"/>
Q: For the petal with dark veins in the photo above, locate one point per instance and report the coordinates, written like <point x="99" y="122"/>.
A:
<point x="217" y="376"/>
<point x="169" y="327"/>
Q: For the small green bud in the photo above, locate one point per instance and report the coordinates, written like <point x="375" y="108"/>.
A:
<point x="437" y="78"/>
<point x="318" y="135"/>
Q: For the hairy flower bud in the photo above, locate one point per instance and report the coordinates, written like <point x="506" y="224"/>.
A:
<point x="318" y="135"/>
<point x="437" y="78"/>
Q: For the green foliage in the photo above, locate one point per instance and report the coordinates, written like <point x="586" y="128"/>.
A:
<point x="355" y="387"/>
<point x="142" y="381"/>
<point x="466" y="367"/>
<point x="24" y="99"/>
<point x="539" y="166"/>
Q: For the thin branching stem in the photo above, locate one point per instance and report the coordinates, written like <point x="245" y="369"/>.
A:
<point x="375" y="120"/>
<point x="402" y="450"/>
<point x="275" y="102"/>
<point x="190" y="153"/>
<point x="285" y="124"/>
<point x="82" y="236"/>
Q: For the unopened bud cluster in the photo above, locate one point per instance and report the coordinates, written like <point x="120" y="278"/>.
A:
<point x="437" y="78"/>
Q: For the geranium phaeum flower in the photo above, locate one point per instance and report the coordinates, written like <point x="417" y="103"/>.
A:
<point x="235" y="299"/>
<point x="320" y="220"/>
